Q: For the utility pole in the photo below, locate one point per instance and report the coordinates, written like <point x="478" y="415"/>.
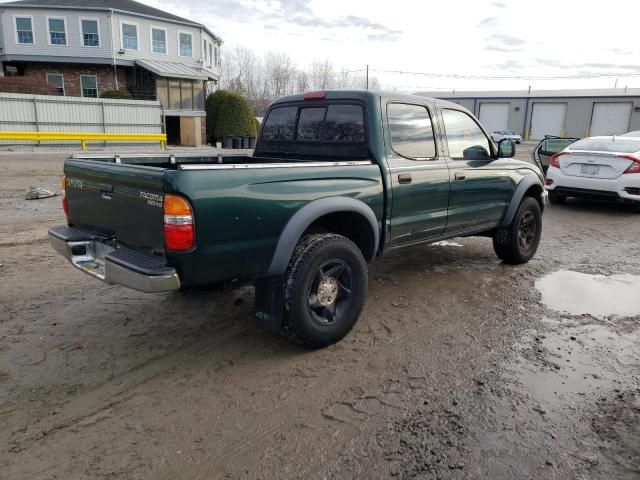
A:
<point x="367" y="76"/>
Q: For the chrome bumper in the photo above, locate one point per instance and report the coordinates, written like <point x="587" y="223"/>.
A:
<point x="100" y="260"/>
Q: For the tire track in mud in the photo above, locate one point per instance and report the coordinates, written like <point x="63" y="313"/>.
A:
<point x="410" y="343"/>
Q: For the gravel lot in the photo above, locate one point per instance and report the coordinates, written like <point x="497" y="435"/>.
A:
<point x="460" y="367"/>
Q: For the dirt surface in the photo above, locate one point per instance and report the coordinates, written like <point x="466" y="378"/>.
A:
<point x="456" y="368"/>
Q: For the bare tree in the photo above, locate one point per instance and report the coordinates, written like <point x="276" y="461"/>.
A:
<point x="263" y="78"/>
<point x="322" y="74"/>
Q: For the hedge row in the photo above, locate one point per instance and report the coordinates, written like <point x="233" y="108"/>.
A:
<point x="229" y="114"/>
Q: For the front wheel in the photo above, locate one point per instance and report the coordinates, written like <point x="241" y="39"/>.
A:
<point x="325" y="290"/>
<point x="519" y="242"/>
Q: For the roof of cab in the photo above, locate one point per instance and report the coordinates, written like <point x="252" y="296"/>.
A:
<point x="372" y="95"/>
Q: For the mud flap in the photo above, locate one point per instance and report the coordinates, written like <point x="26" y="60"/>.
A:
<point x="269" y="303"/>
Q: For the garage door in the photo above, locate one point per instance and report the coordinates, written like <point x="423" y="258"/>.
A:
<point x="494" y="116"/>
<point x="547" y="119"/>
<point x="610" y="118"/>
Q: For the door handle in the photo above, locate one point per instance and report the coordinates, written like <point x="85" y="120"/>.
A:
<point x="404" y="178"/>
<point x="460" y="176"/>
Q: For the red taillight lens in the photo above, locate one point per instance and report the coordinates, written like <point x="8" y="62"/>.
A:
<point x="179" y="237"/>
<point x="179" y="230"/>
<point x="65" y="205"/>
<point x="635" y="166"/>
<point x="554" y="160"/>
<point x="315" y="95"/>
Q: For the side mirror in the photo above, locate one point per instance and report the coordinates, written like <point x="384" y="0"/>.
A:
<point x="506" y="148"/>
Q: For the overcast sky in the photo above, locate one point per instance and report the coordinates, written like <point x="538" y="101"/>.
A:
<point x="505" y="37"/>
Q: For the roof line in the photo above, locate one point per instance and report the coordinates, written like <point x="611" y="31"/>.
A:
<point x="104" y="9"/>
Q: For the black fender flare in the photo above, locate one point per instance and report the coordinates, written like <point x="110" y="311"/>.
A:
<point x="304" y="217"/>
<point x="525" y="184"/>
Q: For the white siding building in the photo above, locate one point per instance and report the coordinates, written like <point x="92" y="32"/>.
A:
<point x="86" y="47"/>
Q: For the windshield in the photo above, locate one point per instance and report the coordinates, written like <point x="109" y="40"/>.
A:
<point x="613" y="144"/>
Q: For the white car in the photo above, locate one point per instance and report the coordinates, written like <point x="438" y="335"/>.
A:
<point x="597" y="167"/>
<point x="501" y="134"/>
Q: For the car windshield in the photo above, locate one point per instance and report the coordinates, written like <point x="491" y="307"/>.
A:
<point x="509" y="132"/>
<point x="613" y="144"/>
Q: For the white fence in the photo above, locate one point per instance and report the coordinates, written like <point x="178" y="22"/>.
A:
<point x="47" y="113"/>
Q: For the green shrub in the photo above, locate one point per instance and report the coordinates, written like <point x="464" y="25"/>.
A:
<point x="234" y="117"/>
<point x="119" y="94"/>
<point x="212" y="106"/>
<point x="258" y="125"/>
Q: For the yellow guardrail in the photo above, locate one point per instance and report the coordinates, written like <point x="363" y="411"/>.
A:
<point x="84" y="137"/>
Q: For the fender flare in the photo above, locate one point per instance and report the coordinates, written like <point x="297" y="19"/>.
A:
<point x="304" y="217"/>
<point x="525" y="184"/>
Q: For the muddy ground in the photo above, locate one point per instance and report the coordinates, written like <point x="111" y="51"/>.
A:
<point x="456" y="369"/>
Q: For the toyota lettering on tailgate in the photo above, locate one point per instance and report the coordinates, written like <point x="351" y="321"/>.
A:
<point x="153" y="199"/>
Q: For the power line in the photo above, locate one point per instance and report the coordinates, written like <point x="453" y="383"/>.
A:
<point x="508" y="77"/>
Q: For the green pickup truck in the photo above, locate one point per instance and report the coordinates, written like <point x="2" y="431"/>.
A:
<point x="337" y="179"/>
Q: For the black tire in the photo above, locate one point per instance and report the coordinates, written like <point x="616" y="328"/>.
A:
<point x="518" y="242"/>
<point x="557" y="199"/>
<point x="325" y="290"/>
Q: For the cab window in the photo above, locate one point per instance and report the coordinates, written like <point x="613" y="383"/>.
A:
<point x="465" y="138"/>
<point x="411" y="131"/>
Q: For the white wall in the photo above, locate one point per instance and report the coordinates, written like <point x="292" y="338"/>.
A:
<point x="74" y="47"/>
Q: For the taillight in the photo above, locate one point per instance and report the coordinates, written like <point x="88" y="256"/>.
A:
<point x="63" y="192"/>
<point x="554" y="160"/>
<point x="635" y="166"/>
<point x="179" y="230"/>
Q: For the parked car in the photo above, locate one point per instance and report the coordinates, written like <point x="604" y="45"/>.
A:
<point x="596" y="167"/>
<point x="336" y="180"/>
<point x="632" y="134"/>
<point x="502" y="134"/>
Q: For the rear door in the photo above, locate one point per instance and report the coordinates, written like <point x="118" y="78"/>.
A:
<point x="121" y="201"/>
<point x="419" y="174"/>
<point x="547" y="148"/>
<point x="480" y="188"/>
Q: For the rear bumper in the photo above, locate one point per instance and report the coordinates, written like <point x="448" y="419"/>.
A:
<point x="112" y="263"/>
<point x="623" y="187"/>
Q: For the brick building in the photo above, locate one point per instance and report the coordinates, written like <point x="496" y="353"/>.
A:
<point x="84" y="48"/>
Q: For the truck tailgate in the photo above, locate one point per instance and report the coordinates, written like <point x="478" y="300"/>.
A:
<point x="117" y="200"/>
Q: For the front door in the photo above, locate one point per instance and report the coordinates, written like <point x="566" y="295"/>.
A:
<point x="419" y="175"/>
<point x="480" y="186"/>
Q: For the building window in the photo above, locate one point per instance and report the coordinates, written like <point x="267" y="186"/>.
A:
<point x="24" y="30"/>
<point x="89" y="85"/>
<point x="185" y="48"/>
<point x="217" y="54"/>
<point x="57" y="30"/>
<point x="210" y="53"/>
<point x="130" y="36"/>
<point x="204" y="51"/>
<point x="158" y="40"/>
<point x="90" y="33"/>
<point x="57" y="81"/>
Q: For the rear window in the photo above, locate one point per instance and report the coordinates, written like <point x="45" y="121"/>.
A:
<point x="411" y="130"/>
<point x="280" y="124"/>
<point x="607" y="145"/>
<point x="325" y="123"/>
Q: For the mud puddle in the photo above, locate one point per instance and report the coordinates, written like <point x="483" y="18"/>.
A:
<point x="578" y="293"/>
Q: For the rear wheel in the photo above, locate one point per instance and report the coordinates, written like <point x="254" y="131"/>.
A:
<point x="557" y="199"/>
<point x="519" y="242"/>
<point x="325" y="290"/>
